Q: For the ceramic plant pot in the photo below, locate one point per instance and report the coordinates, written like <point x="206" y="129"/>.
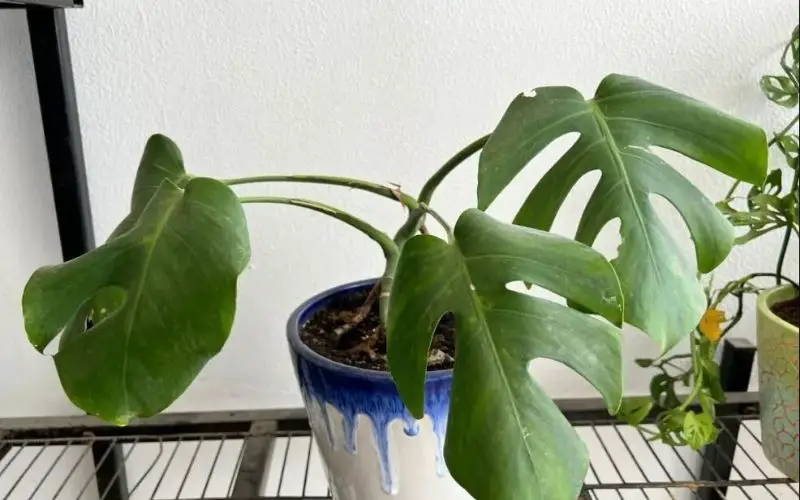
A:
<point x="778" y="382"/>
<point x="372" y="447"/>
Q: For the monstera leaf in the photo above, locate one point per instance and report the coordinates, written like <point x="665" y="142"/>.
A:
<point x="142" y="314"/>
<point x="617" y="129"/>
<point x="505" y="437"/>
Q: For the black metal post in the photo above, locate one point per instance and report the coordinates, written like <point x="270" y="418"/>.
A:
<point x="736" y="368"/>
<point x="112" y="481"/>
<point x="58" y="106"/>
<point x="254" y="460"/>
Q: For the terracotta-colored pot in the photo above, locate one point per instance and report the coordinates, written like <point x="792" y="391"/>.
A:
<point x="778" y="382"/>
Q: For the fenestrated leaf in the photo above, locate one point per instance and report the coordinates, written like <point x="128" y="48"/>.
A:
<point x="780" y="90"/>
<point x="506" y="438"/>
<point x="617" y="129"/>
<point x="159" y="299"/>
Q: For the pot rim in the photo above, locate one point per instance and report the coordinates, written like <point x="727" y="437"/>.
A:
<point x="294" y="326"/>
<point x="763" y="304"/>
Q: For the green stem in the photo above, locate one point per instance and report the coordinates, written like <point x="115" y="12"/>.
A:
<point x="729" y="195"/>
<point x="771" y="143"/>
<point x="440" y="220"/>
<point x="426" y="194"/>
<point x="390" y="250"/>
<point x="698" y="382"/>
<point x="787" y="235"/>
<point x="785" y="62"/>
<point x="416" y="216"/>
<point x="674" y="357"/>
<point x="370" y="187"/>
<point x="785" y="129"/>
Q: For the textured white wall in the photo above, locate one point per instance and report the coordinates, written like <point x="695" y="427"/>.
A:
<point x="381" y="90"/>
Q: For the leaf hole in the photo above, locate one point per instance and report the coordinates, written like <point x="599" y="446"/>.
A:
<point x="513" y="196"/>
<point x="574" y="205"/>
<point x="609" y="239"/>
<point x="675" y="226"/>
<point x="558" y="380"/>
<point x="535" y="291"/>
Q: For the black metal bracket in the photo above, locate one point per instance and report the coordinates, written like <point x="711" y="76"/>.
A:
<point x="22" y="4"/>
<point x="59" y="109"/>
<point x="57" y="103"/>
<point x="736" y="368"/>
<point x="112" y="481"/>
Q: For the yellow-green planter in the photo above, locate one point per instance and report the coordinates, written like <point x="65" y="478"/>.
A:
<point x="778" y="382"/>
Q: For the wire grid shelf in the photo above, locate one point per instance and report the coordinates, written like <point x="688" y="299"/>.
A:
<point x="279" y="460"/>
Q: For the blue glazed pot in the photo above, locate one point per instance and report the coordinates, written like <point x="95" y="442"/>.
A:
<point x="372" y="447"/>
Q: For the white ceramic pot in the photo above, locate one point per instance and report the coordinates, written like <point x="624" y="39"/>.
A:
<point x="372" y="448"/>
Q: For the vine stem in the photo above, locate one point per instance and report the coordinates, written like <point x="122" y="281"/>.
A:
<point x="785" y="129"/>
<point x="698" y="382"/>
<point x="426" y="194"/>
<point x="771" y="143"/>
<point x="787" y="235"/>
<point x="416" y="216"/>
<point x="442" y="222"/>
<point x="370" y="187"/>
<point x="381" y="238"/>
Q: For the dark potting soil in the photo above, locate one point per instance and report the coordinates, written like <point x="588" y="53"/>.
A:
<point x="788" y="310"/>
<point x="364" y="345"/>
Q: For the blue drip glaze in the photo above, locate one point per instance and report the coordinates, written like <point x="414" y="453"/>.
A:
<point x="356" y="392"/>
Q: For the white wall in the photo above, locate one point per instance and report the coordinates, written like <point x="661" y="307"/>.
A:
<point x="381" y="90"/>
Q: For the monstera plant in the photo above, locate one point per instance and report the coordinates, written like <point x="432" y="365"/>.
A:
<point x="140" y="315"/>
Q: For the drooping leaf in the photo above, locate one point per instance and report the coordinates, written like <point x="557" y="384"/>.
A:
<point x="506" y="438"/>
<point x="143" y="313"/>
<point x="618" y="128"/>
<point x="634" y="410"/>
<point x="161" y="160"/>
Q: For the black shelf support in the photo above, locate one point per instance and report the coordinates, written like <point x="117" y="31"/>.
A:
<point x="736" y="368"/>
<point x="59" y="110"/>
<point x="112" y="481"/>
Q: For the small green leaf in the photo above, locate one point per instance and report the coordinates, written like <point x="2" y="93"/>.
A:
<point x="143" y="313"/>
<point x="670" y="425"/>
<point x="774" y="182"/>
<point x="788" y="144"/>
<point x="699" y="429"/>
<point x="643" y="362"/>
<point x="634" y="410"/>
<point x="780" y="90"/>
<point x="711" y="379"/>
<point x="662" y="390"/>
<point x="707" y="402"/>
<point x="505" y="437"/>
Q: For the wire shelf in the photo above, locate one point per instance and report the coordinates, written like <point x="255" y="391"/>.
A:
<point x="277" y="459"/>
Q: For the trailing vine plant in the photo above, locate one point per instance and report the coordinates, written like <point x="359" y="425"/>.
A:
<point x="765" y="208"/>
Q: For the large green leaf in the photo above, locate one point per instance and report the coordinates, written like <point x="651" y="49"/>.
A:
<point x="159" y="297"/>
<point x="506" y="438"/>
<point x="617" y="128"/>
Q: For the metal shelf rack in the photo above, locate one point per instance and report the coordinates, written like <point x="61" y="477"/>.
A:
<point x="58" y="106"/>
<point x="271" y="455"/>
